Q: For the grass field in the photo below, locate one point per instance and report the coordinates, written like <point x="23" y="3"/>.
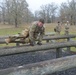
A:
<point x="11" y="30"/>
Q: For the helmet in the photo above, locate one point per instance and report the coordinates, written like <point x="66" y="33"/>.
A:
<point x="41" y="20"/>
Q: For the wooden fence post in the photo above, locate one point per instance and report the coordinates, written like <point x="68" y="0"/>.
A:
<point x="58" y="52"/>
<point x="68" y="48"/>
<point x="17" y="44"/>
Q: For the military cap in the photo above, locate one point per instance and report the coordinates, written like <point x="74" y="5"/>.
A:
<point x="41" y="20"/>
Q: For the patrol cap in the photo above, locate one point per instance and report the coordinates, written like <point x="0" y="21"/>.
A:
<point x="41" y="20"/>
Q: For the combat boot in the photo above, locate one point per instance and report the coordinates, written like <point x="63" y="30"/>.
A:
<point x="39" y="43"/>
<point x="32" y="43"/>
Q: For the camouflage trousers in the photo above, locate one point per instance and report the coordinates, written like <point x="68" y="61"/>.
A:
<point x="57" y="33"/>
<point x="66" y="32"/>
<point x="24" y="34"/>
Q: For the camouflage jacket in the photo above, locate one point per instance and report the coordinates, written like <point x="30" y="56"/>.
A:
<point x="58" y="28"/>
<point x="35" y="29"/>
<point x="36" y="32"/>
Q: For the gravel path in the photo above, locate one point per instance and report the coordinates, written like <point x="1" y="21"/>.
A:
<point x="26" y="58"/>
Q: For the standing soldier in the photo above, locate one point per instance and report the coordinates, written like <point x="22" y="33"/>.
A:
<point x="57" y="29"/>
<point x="36" y="32"/>
<point x="67" y="28"/>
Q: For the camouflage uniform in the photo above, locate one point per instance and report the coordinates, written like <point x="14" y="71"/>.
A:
<point x="67" y="28"/>
<point x="29" y="35"/>
<point x="36" y="32"/>
<point x="24" y="34"/>
<point x="57" y="29"/>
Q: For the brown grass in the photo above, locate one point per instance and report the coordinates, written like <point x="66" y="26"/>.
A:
<point x="48" y="27"/>
<point x="6" y="26"/>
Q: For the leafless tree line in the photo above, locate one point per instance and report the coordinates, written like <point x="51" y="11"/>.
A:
<point x="15" y="12"/>
<point x="47" y="12"/>
<point x="53" y="13"/>
<point x="68" y="12"/>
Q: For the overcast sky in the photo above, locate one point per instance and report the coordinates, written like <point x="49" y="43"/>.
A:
<point x="35" y="4"/>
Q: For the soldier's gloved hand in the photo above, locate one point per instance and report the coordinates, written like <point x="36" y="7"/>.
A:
<point x="39" y="43"/>
<point x="32" y="43"/>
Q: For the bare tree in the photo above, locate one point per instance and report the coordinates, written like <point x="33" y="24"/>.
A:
<point x="42" y="12"/>
<point x="15" y="12"/>
<point x="36" y="15"/>
<point x="48" y="12"/>
<point x="53" y="11"/>
<point x="2" y="6"/>
<point x="68" y="12"/>
<point x="63" y="12"/>
<point x="17" y="9"/>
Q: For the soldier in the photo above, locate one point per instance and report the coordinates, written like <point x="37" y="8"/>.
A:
<point x="36" y="32"/>
<point x="67" y="28"/>
<point x="57" y="29"/>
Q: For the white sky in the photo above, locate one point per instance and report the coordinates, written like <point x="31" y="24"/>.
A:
<point x="35" y="4"/>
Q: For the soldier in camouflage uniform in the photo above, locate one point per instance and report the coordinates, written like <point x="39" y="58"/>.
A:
<point x="67" y="28"/>
<point x="57" y="29"/>
<point x="36" y="32"/>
